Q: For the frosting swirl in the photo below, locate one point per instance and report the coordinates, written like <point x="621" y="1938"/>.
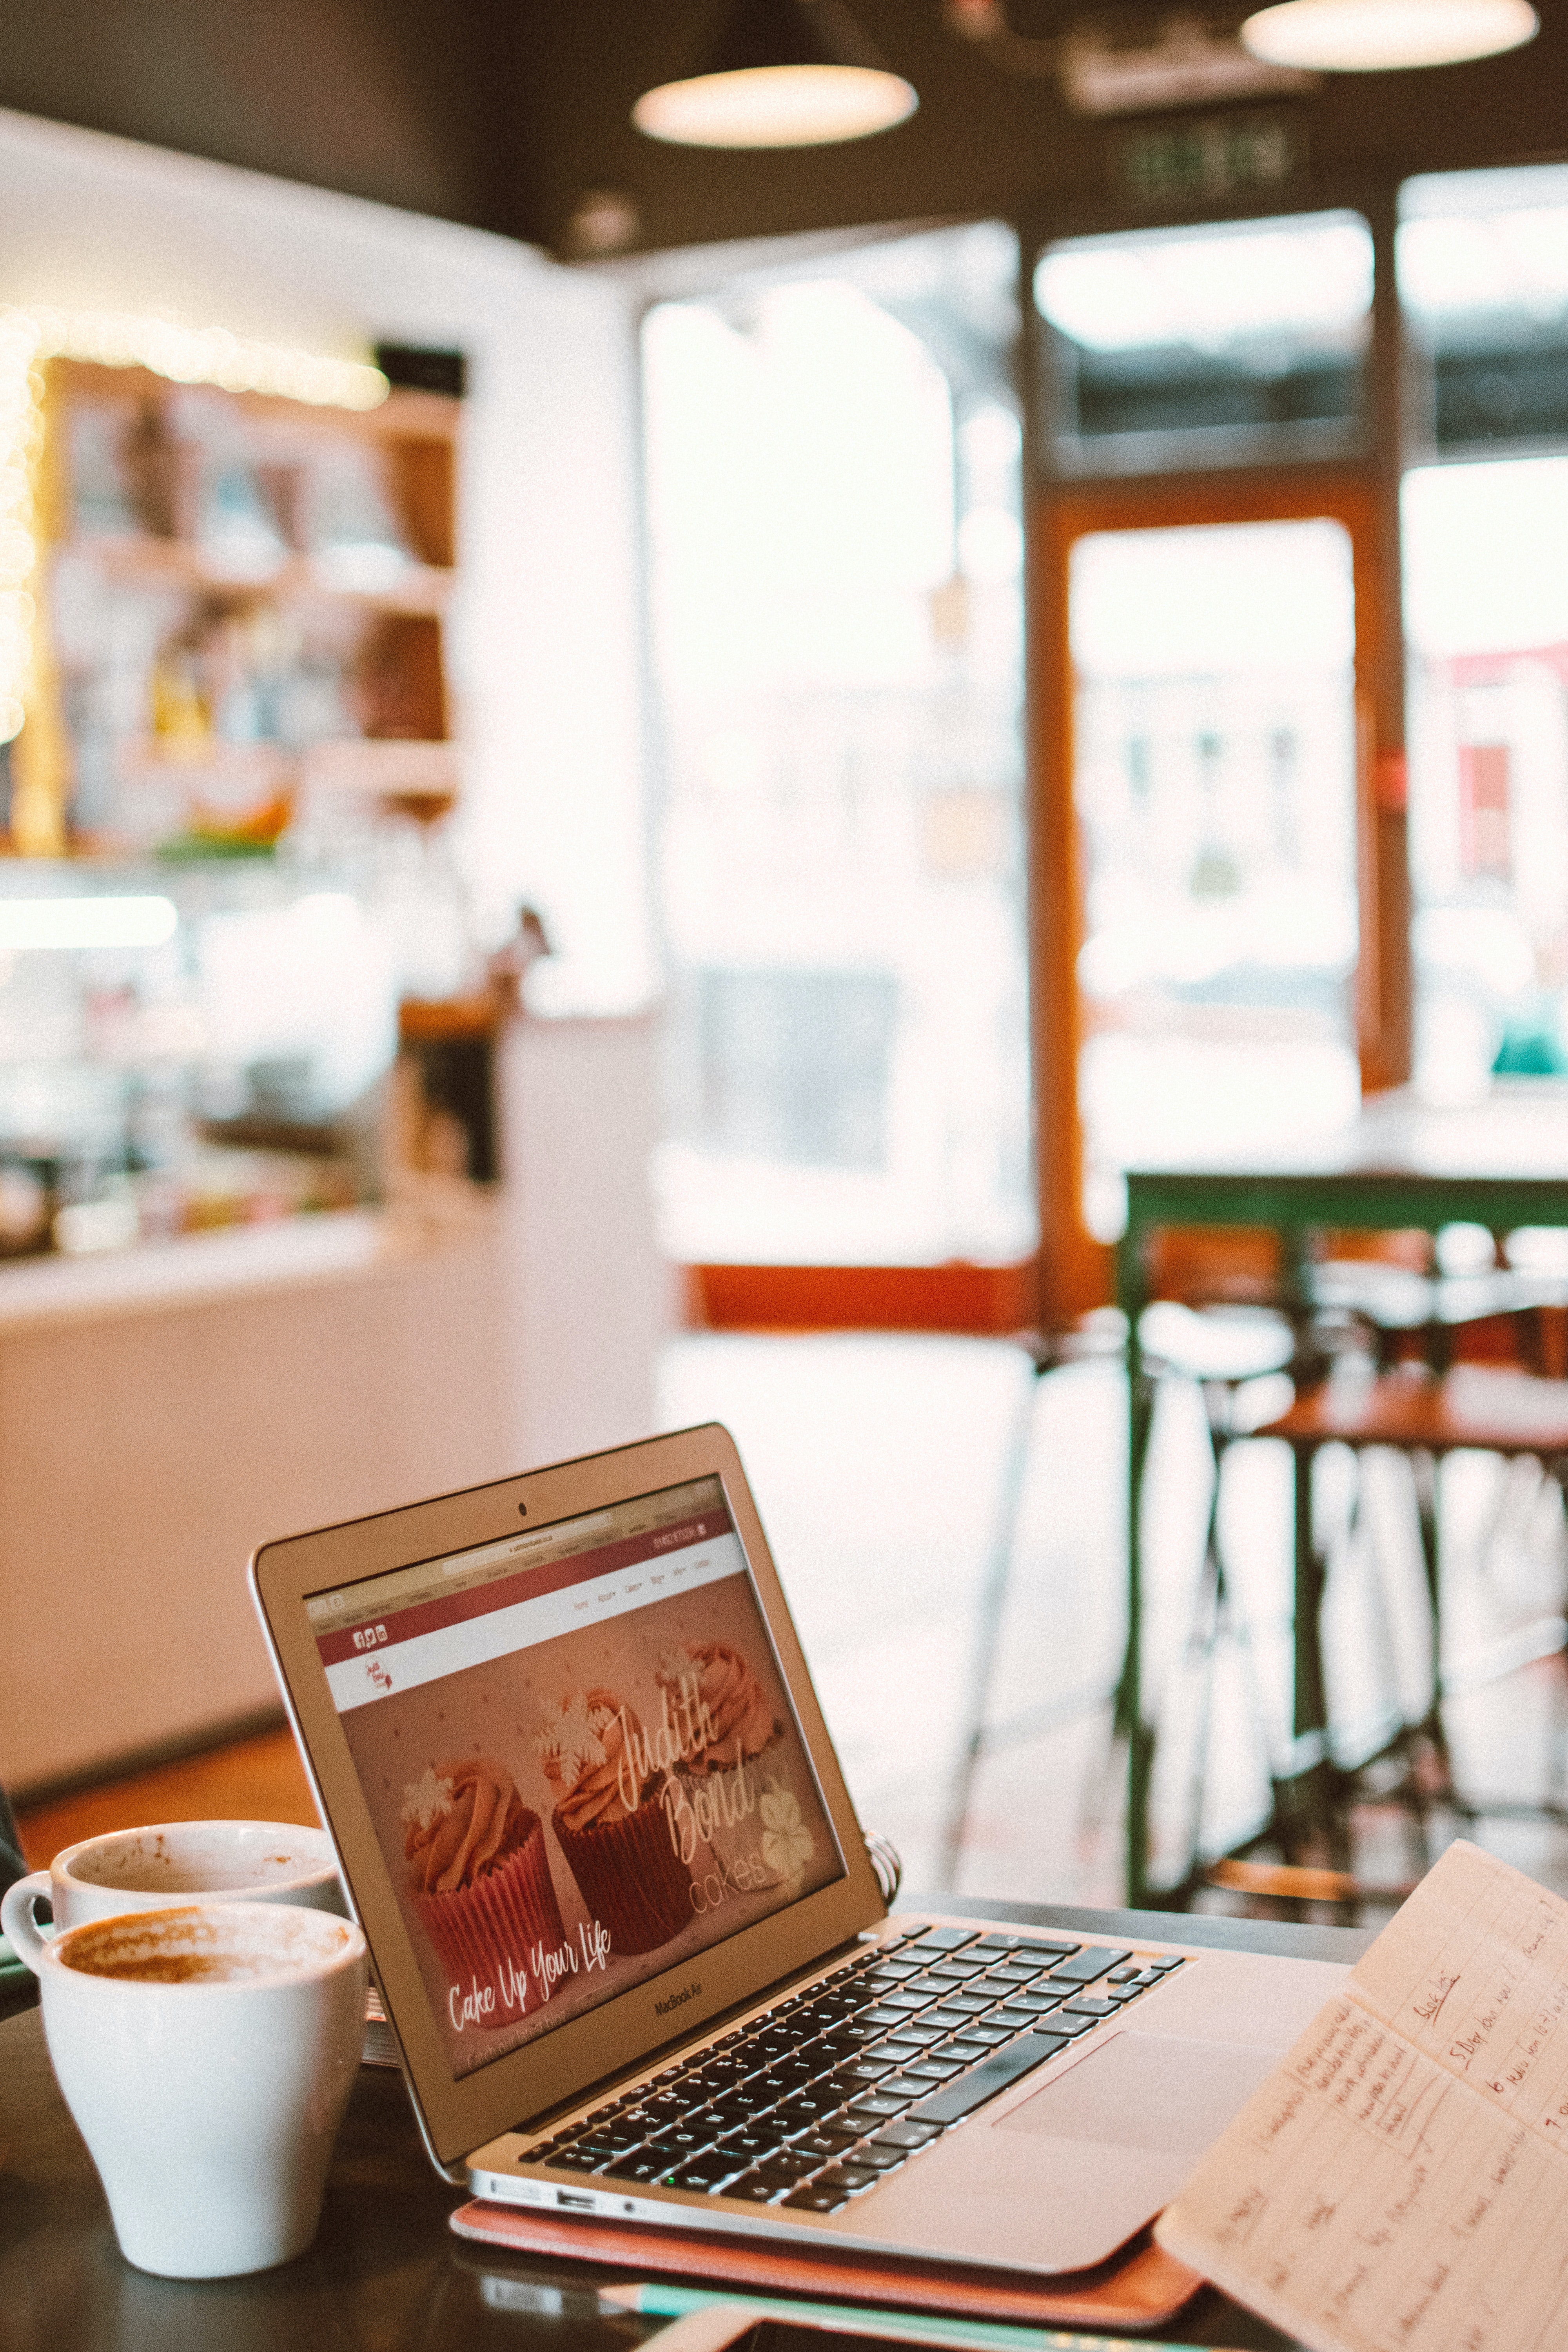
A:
<point x="595" y="1758"/>
<point x="461" y="1820"/>
<point x="730" y="1715"/>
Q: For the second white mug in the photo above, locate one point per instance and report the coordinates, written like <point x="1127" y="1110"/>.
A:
<point x="173" y="1862"/>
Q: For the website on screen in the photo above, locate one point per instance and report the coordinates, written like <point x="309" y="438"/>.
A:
<point x="580" y="1757"/>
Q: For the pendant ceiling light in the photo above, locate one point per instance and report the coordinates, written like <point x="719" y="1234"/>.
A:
<point x="1386" y="35"/>
<point x="786" y="73"/>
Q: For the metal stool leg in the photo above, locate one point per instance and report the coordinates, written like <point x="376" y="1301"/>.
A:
<point x="1303" y="1797"/>
<point x="988" y="1624"/>
<point x="1204" y="1636"/>
<point x="1131" y="1723"/>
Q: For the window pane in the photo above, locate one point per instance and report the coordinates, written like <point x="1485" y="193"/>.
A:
<point x="1483" y="277"/>
<point x="1215" y="766"/>
<point x="1483" y="274"/>
<point x="1218" y="345"/>
<point x="834" y="502"/>
<point x="1486" y="623"/>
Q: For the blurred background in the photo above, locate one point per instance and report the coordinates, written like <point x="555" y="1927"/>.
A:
<point x="638" y="775"/>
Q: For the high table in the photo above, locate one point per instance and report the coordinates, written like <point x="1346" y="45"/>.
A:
<point x="1501" y="1162"/>
<point x="386" y="2273"/>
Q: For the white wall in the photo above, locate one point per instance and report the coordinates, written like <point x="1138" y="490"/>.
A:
<point x="545" y="655"/>
<point x="580" y="1261"/>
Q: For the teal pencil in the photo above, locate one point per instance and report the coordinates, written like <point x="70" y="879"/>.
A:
<point x="656" y="2301"/>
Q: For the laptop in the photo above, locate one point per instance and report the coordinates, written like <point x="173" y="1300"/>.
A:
<point x="624" y="1924"/>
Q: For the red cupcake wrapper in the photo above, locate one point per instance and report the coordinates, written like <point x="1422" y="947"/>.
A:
<point x="629" y="1875"/>
<point x="489" y="1930"/>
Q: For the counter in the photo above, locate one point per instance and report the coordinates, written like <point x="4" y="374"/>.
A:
<point x="163" y="1412"/>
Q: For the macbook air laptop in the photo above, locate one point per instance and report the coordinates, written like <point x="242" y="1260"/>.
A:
<point x="623" y="1921"/>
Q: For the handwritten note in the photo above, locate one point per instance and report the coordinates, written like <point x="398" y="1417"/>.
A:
<point x="1400" y="2184"/>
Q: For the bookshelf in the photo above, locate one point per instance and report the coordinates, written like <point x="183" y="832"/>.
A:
<point x="241" y="608"/>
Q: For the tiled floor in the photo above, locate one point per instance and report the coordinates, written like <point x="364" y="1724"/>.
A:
<point x="881" y="1466"/>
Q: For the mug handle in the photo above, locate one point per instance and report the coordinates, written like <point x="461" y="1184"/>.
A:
<point x="17" y="1920"/>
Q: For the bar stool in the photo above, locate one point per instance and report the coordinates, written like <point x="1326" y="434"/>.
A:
<point x="1240" y="1358"/>
<point x="1479" y="1408"/>
<point x="1222" y="1348"/>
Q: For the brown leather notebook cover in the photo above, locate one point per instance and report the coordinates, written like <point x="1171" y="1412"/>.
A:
<point x="1141" y="2288"/>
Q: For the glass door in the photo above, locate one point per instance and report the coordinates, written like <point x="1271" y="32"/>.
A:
<point x="1214" y="734"/>
<point x="1212" y="746"/>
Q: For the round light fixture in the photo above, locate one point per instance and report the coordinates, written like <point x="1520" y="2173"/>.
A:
<point x="1386" y="35"/>
<point x="786" y="73"/>
<point x="776" y="106"/>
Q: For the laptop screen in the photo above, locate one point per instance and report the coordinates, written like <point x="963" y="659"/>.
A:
<point x="580" y="1757"/>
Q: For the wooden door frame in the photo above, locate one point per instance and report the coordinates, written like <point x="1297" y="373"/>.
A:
<point x="1076" y="1271"/>
<point x="992" y="1301"/>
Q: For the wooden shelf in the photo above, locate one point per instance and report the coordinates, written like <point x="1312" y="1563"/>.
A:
<point x="258" y="768"/>
<point x="355" y="765"/>
<point x="420" y="588"/>
<point x="229" y="561"/>
<point x="381" y="765"/>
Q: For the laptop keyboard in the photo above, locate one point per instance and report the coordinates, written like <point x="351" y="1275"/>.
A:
<point x="815" y="2101"/>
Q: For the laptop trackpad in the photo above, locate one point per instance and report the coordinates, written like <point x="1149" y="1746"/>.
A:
<point x="1145" y="2090"/>
<point x="1066" y="2174"/>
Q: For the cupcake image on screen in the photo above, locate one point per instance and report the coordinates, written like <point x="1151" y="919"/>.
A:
<point x="717" y="1708"/>
<point x="480" y="1877"/>
<point x="611" y="1823"/>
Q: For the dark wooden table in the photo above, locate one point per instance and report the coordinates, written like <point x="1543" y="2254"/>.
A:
<point x="1501" y="1162"/>
<point x="386" y="2273"/>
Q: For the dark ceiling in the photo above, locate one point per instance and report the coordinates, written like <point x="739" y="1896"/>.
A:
<point x="504" y="115"/>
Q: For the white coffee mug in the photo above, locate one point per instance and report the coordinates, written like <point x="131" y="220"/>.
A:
<point x="206" y="2054"/>
<point x="173" y="1862"/>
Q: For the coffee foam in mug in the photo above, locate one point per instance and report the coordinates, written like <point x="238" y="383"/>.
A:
<point x="206" y="2051"/>
<point x="190" y="1945"/>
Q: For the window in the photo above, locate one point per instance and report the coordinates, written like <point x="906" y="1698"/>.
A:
<point x="1225" y="345"/>
<point x="835" y="569"/>
<point x="1214" y="782"/>
<point x="1483" y="269"/>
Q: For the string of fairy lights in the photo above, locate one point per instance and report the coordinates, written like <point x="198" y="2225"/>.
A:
<point x="30" y="338"/>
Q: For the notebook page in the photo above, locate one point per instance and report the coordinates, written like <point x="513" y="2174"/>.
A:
<point x="1474" y="1970"/>
<point x="1394" y="2190"/>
